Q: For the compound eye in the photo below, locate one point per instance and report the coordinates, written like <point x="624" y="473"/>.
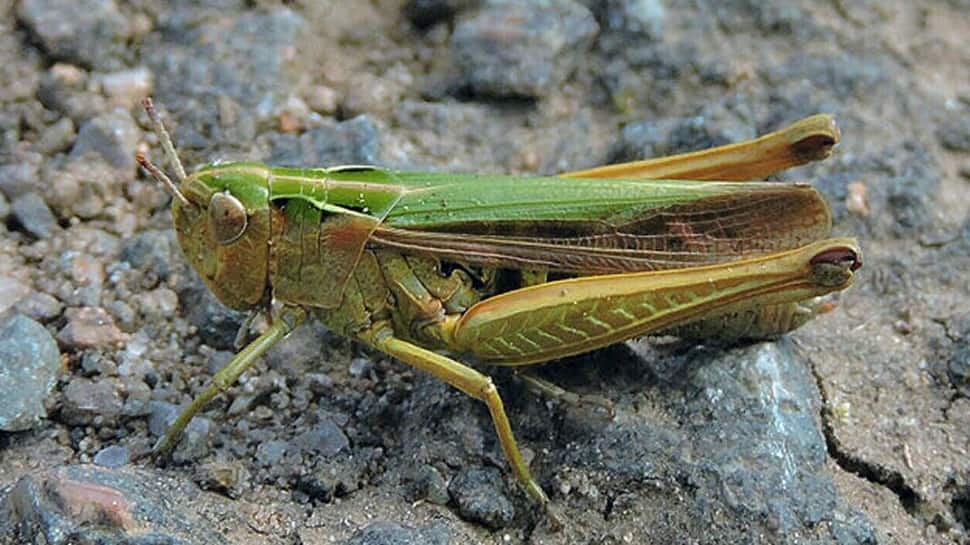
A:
<point x="228" y="218"/>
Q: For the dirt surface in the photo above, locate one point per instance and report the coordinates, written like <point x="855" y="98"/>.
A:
<point x="854" y="429"/>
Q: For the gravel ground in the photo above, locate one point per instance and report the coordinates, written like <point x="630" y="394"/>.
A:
<point x="854" y="429"/>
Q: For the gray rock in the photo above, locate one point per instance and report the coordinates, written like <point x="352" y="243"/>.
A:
<point x="92" y="33"/>
<point x="430" y="485"/>
<point x="113" y="456"/>
<point x="217" y="323"/>
<point x="89" y="327"/>
<point x="57" y="137"/>
<point x="113" y="136"/>
<point x="390" y="533"/>
<point x="353" y="142"/>
<point x="34" y="216"/>
<point x="522" y="49"/>
<point x="194" y="443"/>
<point x="325" y="438"/>
<point x="91" y="402"/>
<point x="12" y="292"/>
<point x="29" y="363"/>
<point x="89" y="504"/>
<point x="40" y="306"/>
<point x="954" y="132"/>
<point x="156" y="251"/>
<point x="745" y="444"/>
<point x="4" y="208"/>
<point x="480" y="495"/>
<point x="21" y="175"/>
<point x="271" y="452"/>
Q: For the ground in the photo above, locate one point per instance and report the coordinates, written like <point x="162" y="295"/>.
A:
<point x="853" y="429"/>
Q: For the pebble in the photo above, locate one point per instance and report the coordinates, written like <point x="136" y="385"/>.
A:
<point x="113" y="136"/>
<point x="29" y="363"/>
<point x="271" y="452"/>
<point x="87" y="401"/>
<point x="153" y="251"/>
<point x="21" y="175"/>
<point x="12" y="291"/>
<point x="87" y="503"/>
<point x="88" y="327"/>
<point x="430" y="485"/>
<point x="112" y="456"/>
<point x="40" y="306"/>
<point x="57" y="137"/>
<point x="522" y="49"/>
<point x="194" y="443"/>
<point x="88" y="32"/>
<point x="326" y="438"/>
<point x="954" y="133"/>
<point x="32" y="213"/>
<point x="478" y="491"/>
<point x="353" y="142"/>
<point x="126" y="87"/>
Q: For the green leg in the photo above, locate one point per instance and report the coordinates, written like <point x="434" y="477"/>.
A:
<point x="560" y="394"/>
<point x="288" y="319"/>
<point x="474" y="384"/>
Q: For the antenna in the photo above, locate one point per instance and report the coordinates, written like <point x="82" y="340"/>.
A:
<point x="161" y="177"/>
<point x="170" y="155"/>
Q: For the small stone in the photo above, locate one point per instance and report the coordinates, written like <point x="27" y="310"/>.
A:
<point x="271" y="452"/>
<point x="112" y="456"/>
<point x="113" y="136"/>
<point x="360" y="367"/>
<point x="12" y="292"/>
<point x="954" y="132"/>
<point x="152" y="251"/>
<point x="57" y="137"/>
<point x="323" y="99"/>
<point x="126" y="87"/>
<point x="430" y="485"/>
<point x="89" y="327"/>
<point x="86" y="401"/>
<point x="34" y="216"/>
<point x="326" y="438"/>
<point x="21" y="176"/>
<point x="89" y="32"/>
<point x="479" y="493"/>
<point x="353" y="142"/>
<point x="958" y="370"/>
<point x="194" y="442"/>
<point x="29" y="363"/>
<point x="319" y="383"/>
<point x="226" y="478"/>
<point x="524" y="49"/>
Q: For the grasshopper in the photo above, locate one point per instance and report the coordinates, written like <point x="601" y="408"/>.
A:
<point x="513" y="270"/>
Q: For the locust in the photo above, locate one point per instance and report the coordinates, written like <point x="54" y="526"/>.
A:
<point x="435" y="269"/>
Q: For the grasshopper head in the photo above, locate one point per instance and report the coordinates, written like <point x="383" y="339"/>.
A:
<point x="221" y="217"/>
<point x="224" y="231"/>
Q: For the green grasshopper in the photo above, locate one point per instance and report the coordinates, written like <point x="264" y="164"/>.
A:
<point x="513" y="270"/>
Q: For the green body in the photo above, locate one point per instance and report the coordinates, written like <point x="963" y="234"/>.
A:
<point x="418" y="250"/>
